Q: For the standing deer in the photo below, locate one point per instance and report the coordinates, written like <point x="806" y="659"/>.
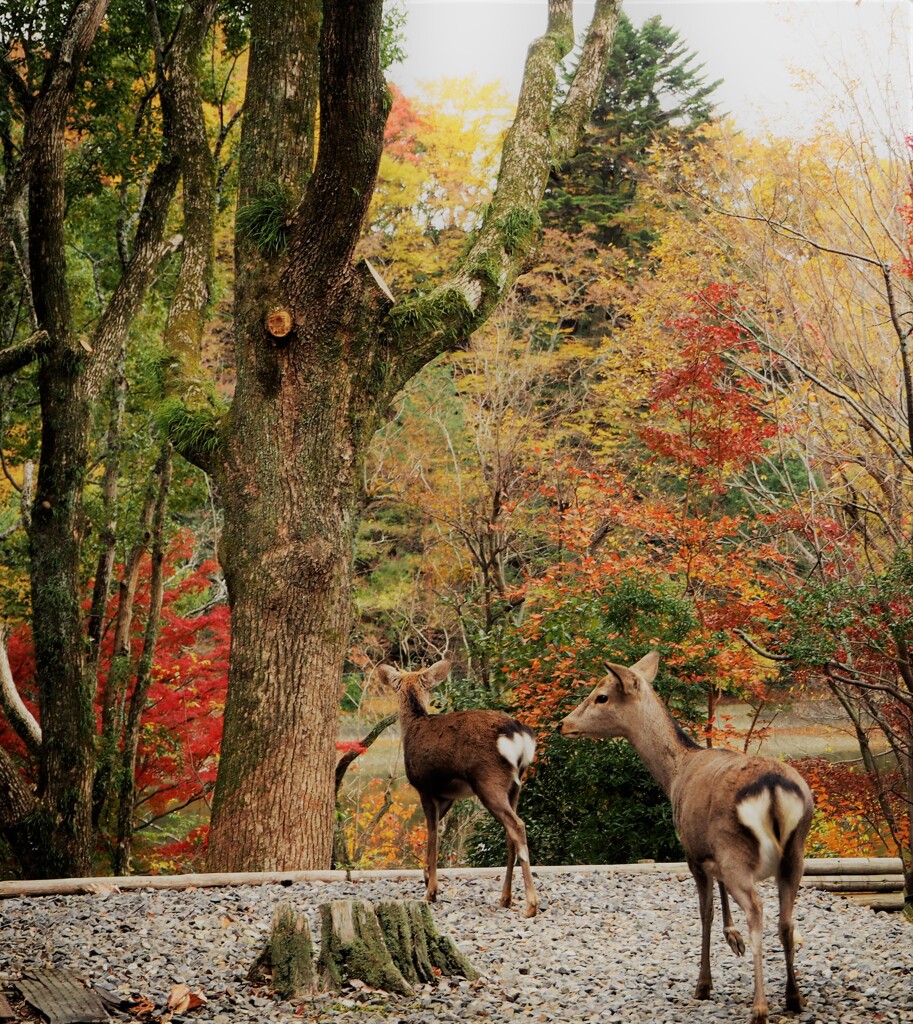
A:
<point x="740" y="818"/>
<point x="458" y="754"/>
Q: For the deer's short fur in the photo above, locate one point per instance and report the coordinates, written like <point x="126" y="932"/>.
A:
<point x="460" y="754"/>
<point x="740" y="819"/>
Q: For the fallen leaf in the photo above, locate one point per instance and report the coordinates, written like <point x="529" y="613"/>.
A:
<point x="142" y="1006"/>
<point x="179" y="998"/>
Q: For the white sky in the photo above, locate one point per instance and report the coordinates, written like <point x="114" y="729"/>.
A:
<point x="760" y="48"/>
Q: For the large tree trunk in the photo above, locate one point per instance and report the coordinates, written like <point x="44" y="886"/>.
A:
<point x="291" y="458"/>
<point x="309" y="397"/>
<point x="290" y="487"/>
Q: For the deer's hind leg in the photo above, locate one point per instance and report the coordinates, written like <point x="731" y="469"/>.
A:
<point x="497" y="801"/>
<point x="506" y="893"/>
<point x="788" y="875"/>
<point x="730" y="933"/>
<point x="705" y="902"/>
<point x="746" y="895"/>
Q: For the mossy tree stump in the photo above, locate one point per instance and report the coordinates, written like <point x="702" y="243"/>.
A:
<point x="288" y="958"/>
<point x="392" y="947"/>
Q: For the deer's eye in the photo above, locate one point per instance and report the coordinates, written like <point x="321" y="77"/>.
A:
<point x="601" y="699"/>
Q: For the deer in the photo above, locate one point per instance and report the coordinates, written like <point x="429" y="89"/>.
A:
<point x="741" y="818"/>
<point x="459" y="754"/>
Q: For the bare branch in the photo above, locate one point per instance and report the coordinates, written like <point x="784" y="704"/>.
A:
<point x="17" y="714"/>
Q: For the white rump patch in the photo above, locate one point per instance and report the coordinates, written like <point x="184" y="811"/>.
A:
<point x="756" y="813"/>
<point x="518" y="750"/>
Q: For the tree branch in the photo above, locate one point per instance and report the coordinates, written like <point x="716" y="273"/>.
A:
<point x="17" y="714"/>
<point x="48" y="107"/>
<point x="189" y="415"/>
<point x="349" y="756"/>
<point x="419" y="329"/>
<point x="17" y="356"/>
<point x="353" y="112"/>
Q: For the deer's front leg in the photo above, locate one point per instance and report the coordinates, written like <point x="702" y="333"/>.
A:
<point x="432" y="820"/>
<point x="705" y="903"/>
<point x="732" y="935"/>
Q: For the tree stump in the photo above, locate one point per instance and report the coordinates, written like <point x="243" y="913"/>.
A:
<point x="352" y="945"/>
<point x="393" y="947"/>
<point x="288" y="957"/>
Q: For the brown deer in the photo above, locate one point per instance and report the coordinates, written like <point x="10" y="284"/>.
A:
<point x="740" y="818"/>
<point x="460" y="753"/>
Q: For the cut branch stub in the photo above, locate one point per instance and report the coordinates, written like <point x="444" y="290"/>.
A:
<point x="279" y="323"/>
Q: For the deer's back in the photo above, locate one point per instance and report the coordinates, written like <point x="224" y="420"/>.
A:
<point x="448" y="752"/>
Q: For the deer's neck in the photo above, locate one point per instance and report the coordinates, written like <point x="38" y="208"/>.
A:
<point x="660" y="742"/>
<point x="412" y="709"/>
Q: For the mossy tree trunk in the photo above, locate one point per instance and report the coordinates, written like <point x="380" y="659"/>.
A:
<point x="288" y="455"/>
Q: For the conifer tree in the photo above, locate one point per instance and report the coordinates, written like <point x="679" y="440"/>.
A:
<point x="653" y="91"/>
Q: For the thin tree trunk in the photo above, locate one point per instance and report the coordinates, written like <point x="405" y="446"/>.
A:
<point x="126" y="777"/>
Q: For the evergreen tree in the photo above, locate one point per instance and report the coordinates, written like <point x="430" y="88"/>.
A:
<point x="652" y="92"/>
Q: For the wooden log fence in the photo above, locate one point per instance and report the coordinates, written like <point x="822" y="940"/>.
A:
<point x="877" y="881"/>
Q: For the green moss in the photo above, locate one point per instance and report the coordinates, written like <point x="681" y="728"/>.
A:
<point x="442" y="951"/>
<point x="487" y="270"/>
<point x="446" y="311"/>
<point x="265" y="219"/>
<point x="365" y="957"/>
<point x="394" y="923"/>
<point x="190" y="430"/>
<point x="291" y="953"/>
<point x="519" y="230"/>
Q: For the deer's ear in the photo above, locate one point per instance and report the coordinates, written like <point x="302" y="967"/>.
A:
<point x="388" y="675"/>
<point x="624" y="681"/>
<point x="647" y="667"/>
<point x="435" y="674"/>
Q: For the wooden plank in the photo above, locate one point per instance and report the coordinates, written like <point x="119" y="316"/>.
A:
<point x="853" y="866"/>
<point x="855" y="883"/>
<point x="6" y="1011"/>
<point x="61" y="997"/>
<point x="88" y="886"/>
<point x="888" y="901"/>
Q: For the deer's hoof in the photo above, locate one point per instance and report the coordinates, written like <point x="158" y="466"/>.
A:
<point x="431" y="896"/>
<point x="531" y="909"/>
<point x="795" y="1001"/>
<point x="759" y="1015"/>
<point x="702" y="990"/>
<point x="736" y="943"/>
<point x="505" y="901"/>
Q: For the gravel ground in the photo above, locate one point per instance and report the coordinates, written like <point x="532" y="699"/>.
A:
<point x="606" y="948"/>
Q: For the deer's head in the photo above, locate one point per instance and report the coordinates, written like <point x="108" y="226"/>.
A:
<point x="608" y="710"/>
<point x="418" y="685"/>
